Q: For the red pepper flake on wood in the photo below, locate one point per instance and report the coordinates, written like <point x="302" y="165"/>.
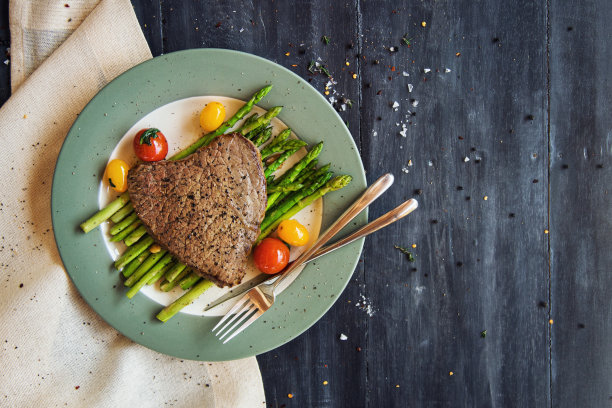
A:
<point x="393" y="69"/>
<point x="218" y="24"/>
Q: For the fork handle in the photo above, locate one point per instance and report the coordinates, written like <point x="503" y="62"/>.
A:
<point x="396" y="214"/>
<point x="372" y="193"/>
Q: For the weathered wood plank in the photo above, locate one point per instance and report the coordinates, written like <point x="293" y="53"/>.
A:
<point x="148" y="13"/>
<point x="477" y="267"/>
<point x="273" y="30"/>
<point x="581" y="206"/>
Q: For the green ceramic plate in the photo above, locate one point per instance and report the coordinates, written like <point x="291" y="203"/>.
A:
<point x="106" y="119"/>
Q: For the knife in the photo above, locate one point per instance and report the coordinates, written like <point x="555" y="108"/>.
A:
<point x="396" y="214"/>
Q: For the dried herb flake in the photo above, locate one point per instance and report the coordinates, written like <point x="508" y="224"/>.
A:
<point x="406" y="252"/>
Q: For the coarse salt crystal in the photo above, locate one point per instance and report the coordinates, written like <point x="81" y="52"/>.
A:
<point x="343" y="107"/>
<point x="466" y="159"/>
<point x="429" y="163"/>
<point x="426" y="70"/>
<point x="6" y="61"/>
<point x="410" y="87"/>
<point x="242" y="29"/>
<point x="392" y="49"/>
<point x="395" y="105"/>
<point x="343" y="337"/>
<point x="447" y="70"/>
<point x="405" y="170"/>
<point x="410" y="162"/>
<point x="374" y="133"/>
<point x="415" y="103"/>
<point x="404" y="73"/>
<point x="404" y="130"/>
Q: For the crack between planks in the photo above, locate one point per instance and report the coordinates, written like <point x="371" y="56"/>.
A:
<point x="161" y="27"/>
<point x="548" y="110"/>
<point x="359" y="132"/>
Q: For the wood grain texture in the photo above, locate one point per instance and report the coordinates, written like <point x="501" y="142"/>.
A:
<point x="581" y="206"/>
<point x="477" y="268"/>
<point x="527" y="98"/>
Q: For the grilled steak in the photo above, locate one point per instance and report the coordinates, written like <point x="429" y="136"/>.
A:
<point x="205" y="209"/>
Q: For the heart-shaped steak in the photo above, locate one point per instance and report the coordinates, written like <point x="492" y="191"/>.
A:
<point x="205" y="209"/>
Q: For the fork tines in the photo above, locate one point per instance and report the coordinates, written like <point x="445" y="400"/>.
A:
<point x="244" y="309"/>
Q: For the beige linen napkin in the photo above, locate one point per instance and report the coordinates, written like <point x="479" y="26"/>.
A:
<point x="55" y="351"/>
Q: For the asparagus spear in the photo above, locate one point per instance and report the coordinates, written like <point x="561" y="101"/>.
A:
<point x="203" y="141"/>
<point x="290" y="176"/>
<point x="260" y="121"/>
<point x="332" y="185"/>
<point x="263" y="137"/>
<point x="135" y="235"/>
<point x="288" y="188"/>
<point x="145" y="267"/>
<point x="275" y="144"/>
<point x="277" y="163"/>
<point x="122" y="213"/>
<point x="162" y="267"/>
<point x="303" y="177"/>
<point x="105" y="213"/>
<point x="121" y="236"/>
<point x="293" y="199"/>
<point x="175" y="271"/>
<point x="152" y="274"/>
<point x="168" y="286"/>
<point x="133" y="252"/>
<point x="134" y="264"/>
<point x="117" y="228"/>
<point x="184" y="300"/>
<point x="250" y="119"/>
<point x="189" y="280"/>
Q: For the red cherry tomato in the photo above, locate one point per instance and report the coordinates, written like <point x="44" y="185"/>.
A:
<point x="271" y="255"/>
<point x="150" y="145"/>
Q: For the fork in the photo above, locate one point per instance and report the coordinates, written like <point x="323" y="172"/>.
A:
<point x="259" y="299"/>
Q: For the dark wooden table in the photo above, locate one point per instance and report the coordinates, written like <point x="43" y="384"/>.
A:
<point x="509" y="153"/>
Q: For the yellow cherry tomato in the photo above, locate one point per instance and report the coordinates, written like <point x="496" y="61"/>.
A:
<point x="116" y="175"/>
<point x="293" y="233"/>
<point x="212" y="116"/>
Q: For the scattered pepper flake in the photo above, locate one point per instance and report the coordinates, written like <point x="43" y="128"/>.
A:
<point x="287" y="54"/>
<point x="393" y="69"/>
<point x="290" y="395"/>
<point x="347" y="63"/>
<point x="550" y="321"/>
<point x="486" y="198"/>
<point x="423" y="23"/>
<point x="325" y="39"/>
<point x="458" y="54"/>
<point x="546" y="231"/>
<point x="326" y="92"/>
<point x="451" y="373"/>
<point x="413" y="245"/>
<point x="483" y="334"/>
<point x="354" y="76"/>
<point x="397" y="386"/>
<point x="325" y="383"/>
